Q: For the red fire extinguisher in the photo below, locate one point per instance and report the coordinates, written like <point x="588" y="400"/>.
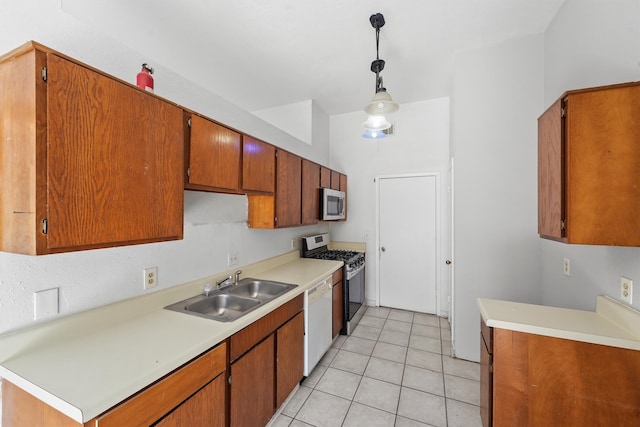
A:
<point x="144" y="79"/>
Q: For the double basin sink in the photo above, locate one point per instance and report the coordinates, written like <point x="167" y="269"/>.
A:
<point x="232" y="302"/>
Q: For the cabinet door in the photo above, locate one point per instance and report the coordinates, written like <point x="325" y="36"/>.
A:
<point x="289" y="189"/>
<point x="551" y="173"/>
<point x="486" y="379"/>
<point x="289" y="357"/>
<point x="310" y="192"/>
<point x="258" y="165"/>
<point x="252" y="386"/>
<point x="603" y="166"/>
<point x="214" y="159"/>
<point x="335" y="180"/>
<point x="205" y="408"/>
<point x="325" y="177"/>
<point x="115" y="160"/>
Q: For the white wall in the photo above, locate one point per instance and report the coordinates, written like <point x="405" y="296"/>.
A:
<point x="590" y="43"/>
<point x="215" y="224"/>
<point x="296" y="119"/>
<point x="420" y="144"/>
<point x="497" y="97"/>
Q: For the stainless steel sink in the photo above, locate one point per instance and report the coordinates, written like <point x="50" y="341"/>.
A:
<point x="260" y="289"/>
<point x="232" y="302"/>
<point x="222" y="305"/>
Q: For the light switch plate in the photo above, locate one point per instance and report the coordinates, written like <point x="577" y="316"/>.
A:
<point x="45" y="303"/>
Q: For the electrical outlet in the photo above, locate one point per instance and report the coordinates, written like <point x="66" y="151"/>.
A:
<point x="150" y="277"/>
<point x="626" y="290"/>
<point x="566" y="267"/>
<point x="294" y="244"/>
<point x="232" y="258"/>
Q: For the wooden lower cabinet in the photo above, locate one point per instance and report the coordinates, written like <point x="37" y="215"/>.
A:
<point x="252" y="386"/>
<point x="267" y="362"/>
<point x="205" y="408"/>
<point x="289" y="357"/>
<point x="543" y="381"/>
<point x="486" y="375"/>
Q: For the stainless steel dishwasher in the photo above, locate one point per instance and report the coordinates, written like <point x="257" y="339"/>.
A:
<point x="317" y="323"/>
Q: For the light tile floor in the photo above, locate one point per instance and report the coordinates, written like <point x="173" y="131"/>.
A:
<point x="394" y="370"/>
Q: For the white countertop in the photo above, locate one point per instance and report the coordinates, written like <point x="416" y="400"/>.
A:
<point x="613" y="323"/>
<point x="86" y="363"/>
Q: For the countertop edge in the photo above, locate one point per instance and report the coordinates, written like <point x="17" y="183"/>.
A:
<point x="503" y="321"/>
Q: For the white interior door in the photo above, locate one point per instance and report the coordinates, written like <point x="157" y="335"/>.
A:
<point x="408" y="242"/>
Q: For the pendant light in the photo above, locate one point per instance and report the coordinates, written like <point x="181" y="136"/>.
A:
<point x="382" y="103"/>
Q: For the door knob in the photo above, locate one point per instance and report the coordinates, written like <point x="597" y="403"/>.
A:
<point x="448" y="262"/>
<point x="383" y="249"/>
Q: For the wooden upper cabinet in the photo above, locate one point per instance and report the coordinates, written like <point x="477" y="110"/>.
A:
<point x="214" y="157"/>
<point x="551" y="172"/>
<point x="310" y="192"/>
<point x="589" y="167"/>
<point x="335" y="180"/>
<point x="325" y="177"/>
<point x="258" y="166"/>
<point x="284" y="208"/>
<point x="86" y="160"/>
<point x="288" y="189"/>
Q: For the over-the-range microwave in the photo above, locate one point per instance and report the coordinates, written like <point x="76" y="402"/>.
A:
<point x="332" y="204"/>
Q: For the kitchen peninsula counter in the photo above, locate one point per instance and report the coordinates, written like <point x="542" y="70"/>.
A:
<point x="86" y="363"/>
<point x="612" y="323"/>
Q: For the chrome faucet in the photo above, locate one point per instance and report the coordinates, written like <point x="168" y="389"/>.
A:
<point x="221" y="283"/>
<point x="237" y="279"/>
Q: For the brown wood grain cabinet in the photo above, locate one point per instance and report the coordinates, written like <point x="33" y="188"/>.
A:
<point x="289" y="357"/>
<point x="325" y="177"/>
<point x="284" y="208"/>
<point x="310" y="192"/>
<point x="589" y="167"/>
<point x="214" y="157"/>
<point x="86" y="160"/>
<point x="338" y="303"/>
<point x="335" y="180"/>
<point x="530" y="380"/>
<point x="266" y="364"/>
<point x="252" y="386"/>
<point x="258" y="166"/>
<point x="199" y="385"/>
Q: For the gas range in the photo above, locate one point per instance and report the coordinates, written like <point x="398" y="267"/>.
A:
<point x="317" y="247"/>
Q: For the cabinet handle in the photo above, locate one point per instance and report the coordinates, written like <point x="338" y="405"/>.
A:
<point x="448" y="262"/>
<point x="383" y="249"/>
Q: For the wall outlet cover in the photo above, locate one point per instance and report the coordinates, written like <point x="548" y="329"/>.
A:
<point x="626" y="290"/>
<point x="150" y="277"/>
<point x="566" y="267"/>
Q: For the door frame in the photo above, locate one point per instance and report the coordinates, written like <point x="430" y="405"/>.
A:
<point x="438" y="207"/>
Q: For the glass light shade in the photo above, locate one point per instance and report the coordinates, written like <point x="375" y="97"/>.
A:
<point x="374" y="134"/>
<point x="382" y="103"/>
<point x="376" y="123"/>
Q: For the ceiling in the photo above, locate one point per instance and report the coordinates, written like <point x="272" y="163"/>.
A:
<point x="260" y="54"/>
